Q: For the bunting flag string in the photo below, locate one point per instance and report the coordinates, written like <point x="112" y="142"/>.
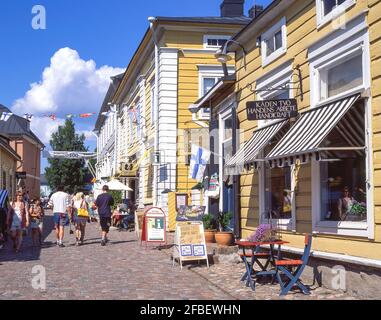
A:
<point x="5" y="116"/>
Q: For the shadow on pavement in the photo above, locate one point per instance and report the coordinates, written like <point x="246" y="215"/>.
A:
<point x="28" y="251"/>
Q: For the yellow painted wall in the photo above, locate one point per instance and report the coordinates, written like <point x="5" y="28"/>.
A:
<point x="301" y="33"/>
<point x="188" y="89"/>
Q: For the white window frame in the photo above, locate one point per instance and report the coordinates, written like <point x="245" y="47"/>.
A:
<point x="333" y="51"/>
<point x="322" y="19"/>
<point x="267" y="59"/>
<point x="208" y="71"/>
<point x="218" y="37"/>
<point x="284" y="224"/>
<point x="274" y="79"/>
<point x="225" y="113"/>
<point x="153" y="102"/>
<point x="139" y="111"/>
<point x="329" y="53"/>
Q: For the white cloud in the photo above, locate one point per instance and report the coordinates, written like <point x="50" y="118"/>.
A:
<point x="69" y="85"/>
<point x="89" y="135"/>
<point x="44" y="127"/>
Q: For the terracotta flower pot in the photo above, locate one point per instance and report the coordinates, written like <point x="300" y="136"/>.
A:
<point x="210" y="236"/>
<point x="225" y="238"/>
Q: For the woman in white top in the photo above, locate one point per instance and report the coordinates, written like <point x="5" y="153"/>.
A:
<point x="18" y="219"/>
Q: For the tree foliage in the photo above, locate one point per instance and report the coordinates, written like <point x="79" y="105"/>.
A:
<point x="69" y="173"/>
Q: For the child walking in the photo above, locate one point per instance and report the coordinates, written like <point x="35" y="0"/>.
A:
<point x="36" y="213"/>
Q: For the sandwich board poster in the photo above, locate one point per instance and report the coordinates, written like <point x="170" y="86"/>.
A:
<point x="190" y="242"/>
<point x="154" y="226"/>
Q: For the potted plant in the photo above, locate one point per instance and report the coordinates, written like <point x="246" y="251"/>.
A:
<point x="224" y="237"/>
<point x="209" y="226"/>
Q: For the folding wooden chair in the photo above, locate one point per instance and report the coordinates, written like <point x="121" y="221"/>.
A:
<point x="282" y="267"/>
<point x="250" y="259"/>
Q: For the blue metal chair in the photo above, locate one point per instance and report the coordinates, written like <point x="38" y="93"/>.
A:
<point x="283" y="266"/>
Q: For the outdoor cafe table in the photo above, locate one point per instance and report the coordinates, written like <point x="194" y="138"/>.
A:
<point x="255" y="256"/>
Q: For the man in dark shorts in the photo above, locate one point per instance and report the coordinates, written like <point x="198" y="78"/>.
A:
<point x="104" y="202"/>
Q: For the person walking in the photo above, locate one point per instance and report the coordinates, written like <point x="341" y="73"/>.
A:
<point x="81" y="217"/>
<point x="104" y="202"/>
<point x="59" y="202"/>
<point x="18" y="219"/>
<point x="36" y="213"/>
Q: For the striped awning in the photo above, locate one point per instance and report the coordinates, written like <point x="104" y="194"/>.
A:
<point x="248" y="153"/>
<point x="310" y="130"/>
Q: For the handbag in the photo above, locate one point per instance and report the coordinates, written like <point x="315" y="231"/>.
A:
<point x="83" y="212"/>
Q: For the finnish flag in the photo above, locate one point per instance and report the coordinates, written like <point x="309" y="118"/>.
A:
<point x="5" y="116"/>
<point x="198" y="163"/>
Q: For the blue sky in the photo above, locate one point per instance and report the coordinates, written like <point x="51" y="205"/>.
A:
<point x="102" y="36"/>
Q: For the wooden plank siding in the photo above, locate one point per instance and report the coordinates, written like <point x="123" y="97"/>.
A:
<point x="188" y="93"/>
<point x="302" y="32"/>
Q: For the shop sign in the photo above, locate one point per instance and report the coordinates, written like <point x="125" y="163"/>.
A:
<point x="154" y="226"/>
<point x="272" y="109"/>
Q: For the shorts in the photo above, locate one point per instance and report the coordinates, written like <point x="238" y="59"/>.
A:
<point x="15" y="227"/>
<point x="36" y="224"/>
<point x="105" y="223"/>
<point x="80" y="222"/>
<point x="61" y="219"/>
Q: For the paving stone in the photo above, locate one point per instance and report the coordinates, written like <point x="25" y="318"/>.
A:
<point x="124" y="270"/>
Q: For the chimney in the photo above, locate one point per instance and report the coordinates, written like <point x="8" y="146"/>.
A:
<point x="255" y="11"/>
<point x="232" y="8"/>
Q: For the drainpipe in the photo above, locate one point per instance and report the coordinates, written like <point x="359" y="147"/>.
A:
<point x="236" y="178"/>
<point x="115" y="115"/>
<point x="152" y="21"/>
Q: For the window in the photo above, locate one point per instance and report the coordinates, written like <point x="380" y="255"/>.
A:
<point x="274" y="42"/>
<point x="209" y="75"/>
<point x="215" y="41"/>
<point x="131" y="126"/>
<point x="208" y="83"/>
<point x="328" y="10"/>
<point x="225" y="146"/>
<point x="340" y="63"/>
<point x="340" y="77"/>
<point x="138" y="121"/>
<point x="277" y="196"/>
<point x="153" y="102"/>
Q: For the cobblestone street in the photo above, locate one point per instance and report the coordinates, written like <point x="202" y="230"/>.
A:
<point x="122" y="270"/>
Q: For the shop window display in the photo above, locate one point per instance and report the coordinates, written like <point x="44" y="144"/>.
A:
<point x="343" y="172"/>
<point x="278" y="200"/>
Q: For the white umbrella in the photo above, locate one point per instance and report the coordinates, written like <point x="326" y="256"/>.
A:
<point x="116" y="185"/>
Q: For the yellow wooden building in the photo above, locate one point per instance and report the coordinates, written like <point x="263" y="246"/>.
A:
<point x="173" y="66"/>
<point x="319" y="172"/>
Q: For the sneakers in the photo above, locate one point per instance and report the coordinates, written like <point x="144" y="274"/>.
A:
<point x="61" y="245"/>
<point x="103" y="243"/>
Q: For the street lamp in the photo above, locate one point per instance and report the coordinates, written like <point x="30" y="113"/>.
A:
<point x="223" y="56"/>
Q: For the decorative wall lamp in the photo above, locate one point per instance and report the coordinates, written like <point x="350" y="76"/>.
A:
<point x="223" y="56"/>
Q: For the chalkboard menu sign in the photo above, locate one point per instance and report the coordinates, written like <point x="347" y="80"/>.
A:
<point x="272" y="109"/>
